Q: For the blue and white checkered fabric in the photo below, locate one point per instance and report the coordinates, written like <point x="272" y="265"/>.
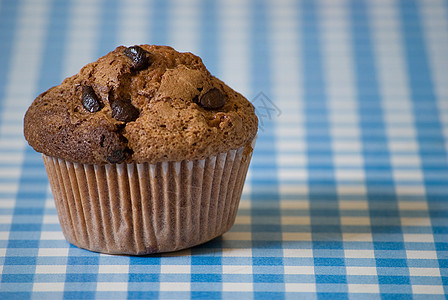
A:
<point x="347" y="194"/>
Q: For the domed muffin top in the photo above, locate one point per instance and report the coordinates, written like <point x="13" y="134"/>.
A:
<point x="140" y="104"/>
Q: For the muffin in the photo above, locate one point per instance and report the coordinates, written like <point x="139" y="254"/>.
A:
<point x="145" y="151"/>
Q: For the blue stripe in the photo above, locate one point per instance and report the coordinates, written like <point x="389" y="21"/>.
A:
<point x="262" y="244"/>
<point x="206" y="269"/>
<point x="107" y="37"/>
<point x="209" y="36"/>
<point x="321" y="181"/>
<point x="141" y="282"/>
<point x="8" y="24"/>
<point x="368" y="95"/>
<point x="210" y="266"/>
<point x="422" y="95"/>
<point x="158" y="19"/>
<point x="82" y="269"/>
<point x="32" y="167"/>
<point x="51" y="72"/>
<point x="55" y="46"/>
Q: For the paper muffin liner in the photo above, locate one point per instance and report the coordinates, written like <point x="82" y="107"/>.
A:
<point x="147" y="208"/>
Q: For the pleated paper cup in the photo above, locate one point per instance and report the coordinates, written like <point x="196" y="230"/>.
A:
<point x="147" y="208"/>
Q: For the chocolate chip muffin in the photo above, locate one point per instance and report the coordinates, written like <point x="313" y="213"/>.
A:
<point x="145" y="151"/>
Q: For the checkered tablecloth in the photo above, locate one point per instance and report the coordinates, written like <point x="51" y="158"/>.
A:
<point x="347" y="194"/>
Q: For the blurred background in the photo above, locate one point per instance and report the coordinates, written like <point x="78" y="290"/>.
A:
<point x="348" y="187"/>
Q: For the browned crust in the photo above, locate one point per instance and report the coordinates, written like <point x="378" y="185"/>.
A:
<point x="171" y="125"/>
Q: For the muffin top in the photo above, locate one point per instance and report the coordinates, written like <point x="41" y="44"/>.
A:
<point x="140" y="104"/>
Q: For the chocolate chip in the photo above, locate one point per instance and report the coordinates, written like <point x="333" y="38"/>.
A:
<point x="124" y="111"/>
<point x="212" y="99"/>
<point x="138" y="57"/>
<point x="116" y="156"/>
<point x="90" y="100"/>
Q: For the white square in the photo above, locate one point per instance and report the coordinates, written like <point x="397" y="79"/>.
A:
<point x="6" y="203"/>
<point x="293" y="145"/>
<point x="295" y="204"/>
<point x="401" y="132"/>
<point x="53" y="252"/>
<point x="405" y="160"/>
<point x="236" y="269"/>
<point x="243" y="220"/>
<point x="300" y="287"/>
<point x="298" y="253"/>
<point x="5" y="219"/>
<point x="11" y="157"/>
<point x="418" y="238"/>
<point x="51" y="269"/>
<point x="353" y="205"/>
<point x="237" y="252"/>
<point x="245" y="205"/>
<point x="292" y="174"/>
<point x="413" y="205"/>
<point x="407" y="175"/>
<point x="344" y="145"/>
<point x="293" y="189"/>
<point x="415" y="222"/>
<point x="175" y="286"/>
<point x="296" y="220"/>
<point x="10" y="143"/>
<point x="350" y="174"/>
<point x="296" y="236"/>
<point x="421" y="254"/>
<point x="364" y="288"/>
<point x="112" y="286"/>
<point x="344" y="132"/>
<point x="357" y="237"/>
<point x="433" y="272"/>
<point x="343" y="117"/>
<point x="403" y="146"/>
<point x="10" y="172"/>
<point x="285" y="159"/>
<point x="286" y="131"/>
<point x="50" y="219"/>
<point x="408" y="190"/>
<point x="237" y="236"/>
<point x="48" y="287"/>
<point x="345" y="189"/>
<point x="49" y="204"/>
<point x="361" y="271"/>
<point x="175" y="269"/>
<point x="113" y="269"/>
<point x="360" y="221"/>
<point x="348" y="160"/>
<point x="428" y="289"/>
<point x="52" y="235"/>
<point x="247" y="189"/>
<point x="237" y="286"/>
<point x="301" y="270"/>
<point x="355" y="253"/>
